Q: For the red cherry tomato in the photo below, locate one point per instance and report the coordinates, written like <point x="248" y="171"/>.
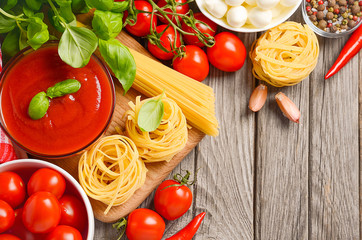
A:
<point x="180" y="9"/>
<point x="145" y="224"/>
<point x="172" y="202"/>
<point x="228" y="54"/>
<point x="74" y="213"/>
<point x="193" y="40"/>
<point x="7" y="216"/>
<point x="193" y="64"/>
<point x="19" y="229"/>
<point x="47" y="180"/>
<point x="12" y="189"/>
<point x="8" y="237"/>
<point x="63" y="232"/>
<point x="41" y="213"/>
<point x="143" y="23"/>
<point x="167" y="40"/>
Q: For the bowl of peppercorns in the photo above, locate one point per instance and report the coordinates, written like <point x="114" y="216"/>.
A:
<point x="332" y="18"/>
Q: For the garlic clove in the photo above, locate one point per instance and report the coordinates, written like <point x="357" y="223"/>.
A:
<point x="289" y="109"/>
<point x="258" y="98"/>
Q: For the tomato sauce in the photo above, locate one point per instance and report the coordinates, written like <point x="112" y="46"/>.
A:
<point x="72" y="121"/>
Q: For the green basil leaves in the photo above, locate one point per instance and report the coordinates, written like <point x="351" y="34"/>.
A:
<point x="107" y="24"/>
<point x="77" y="45"/>
<point x="37" y="32"/>
<point x="120" y="60"/>
<point x="6" y="24"/>
<point x="104" y="5"/>
<point x="39" y="104"/>
<point x="150" y="115"/>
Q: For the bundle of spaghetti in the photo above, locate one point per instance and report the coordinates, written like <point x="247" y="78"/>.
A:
<point x="167" y="140"/>
<point x="111" y="170"/>
<point x="285" y="54"/>
<point x="194" y="98"/>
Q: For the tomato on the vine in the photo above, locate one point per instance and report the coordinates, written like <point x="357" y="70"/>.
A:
<point x="12" y="189"/>
<point x="63" y="232"/>
<point x="47" y="180"/>
<point x="142" y="26"/>
<point x="209" y="30"/>
<point x="41" y="212"/>
<point x="8" y="237"/>
<point x="167" y="39"/>
<point x="228" y="54"/>
<point x="7" y="216"/>
<point x="145" y="224"/>
<point x="192" y="63"/>
<point x="182" y="8"/>
<point x="74" y="213"/>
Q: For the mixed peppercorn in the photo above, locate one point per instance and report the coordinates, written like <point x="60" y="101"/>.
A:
<point x="334" y="15"/>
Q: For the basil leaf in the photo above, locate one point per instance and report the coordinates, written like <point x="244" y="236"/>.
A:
<point x="64" y="3"/>
<point x="23" y="40"/>
<point x="6" y="24"/>
<point x="37" y="33"/>
<point x="120" y="60"/>
<point x="55" y="21"/>
<point x="34" y="4"/>
<point x="78" y="6"/>
<point x="38" y="106"/>
<point x="28" y="11"/>
<point x="10" y="44"/>
<point x="8" y="4"/>
<point x="107" y="24"/>
<point x="120" y="6"/>
<point x="100" y="4"/>
<point x="65" y="10"/>
<point x="77" y="45"/>
<point x="150" y="115"/>
<point x="63" y="88"/>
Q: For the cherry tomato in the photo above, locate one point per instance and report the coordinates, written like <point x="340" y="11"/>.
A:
<point x="74" y="213"/>
<point x="180" y="9"/>
<point x="7" y="216"/>
<point x="47" y="180"/>
<point x="8" y="237"/>
<point x="145" y="224"/>
<point x="228" y="54"/>
<point x="193" y="40"/>
<point x="12" y="189"/>
<point x="19" y="229"/>
<point x="143" y="23"/>
<point x="167" y="40"/>
<point x="63" y="232"/>
<point x="41" y="213"/>
<point x="193" y="64"/>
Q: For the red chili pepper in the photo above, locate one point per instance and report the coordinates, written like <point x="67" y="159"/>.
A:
<point x="189" y="231"/>
<point x="352" y="47"/>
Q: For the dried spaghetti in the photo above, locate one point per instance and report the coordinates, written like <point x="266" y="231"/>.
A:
<point x="111" y="170"/>
<point x="285" y="54"/>
<point x="167" y="140"/>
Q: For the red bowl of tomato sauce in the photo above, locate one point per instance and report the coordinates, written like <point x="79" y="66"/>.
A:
<point x="72" y="122"/>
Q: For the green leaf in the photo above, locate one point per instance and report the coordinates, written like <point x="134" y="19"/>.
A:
<point x="120" y="60"/>
<point x="38" y="106"/>
<point x="8" y="4"/>
<point x="104" y="5"/>
<point x="6" y="24"/>
<point x="63" y="88"/>
<point x="120" y="6"/>
<point x="23" y="40"/>
<point x="37" y="33"/>
<point x="150" y="115"/>
<point x="77" y="45"/>
<point x="107" y="24"/>
<point x="10" y="44"/>
<point x="78" y="6"/>
<point x="28" y="11"/>
<point x="64" y="3"/>
<point x="34" y="4"/>
<point x="55" y="21"/>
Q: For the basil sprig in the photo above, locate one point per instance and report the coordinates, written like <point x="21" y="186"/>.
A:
<point x="151" y="114"/>
<point x="39" y="104"/>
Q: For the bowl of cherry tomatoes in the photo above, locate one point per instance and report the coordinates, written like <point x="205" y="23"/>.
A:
<point x="41" y="201"/>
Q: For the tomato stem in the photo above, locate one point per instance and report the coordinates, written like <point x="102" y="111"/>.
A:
<point x="121" y="227"/>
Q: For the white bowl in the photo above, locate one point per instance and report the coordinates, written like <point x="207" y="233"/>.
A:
<point x="20" y="164"/>
<point x="248" y="28"/>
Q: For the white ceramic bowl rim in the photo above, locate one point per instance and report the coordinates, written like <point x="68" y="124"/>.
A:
<point x="221" y="23"/>
<point x="39" y="163"/>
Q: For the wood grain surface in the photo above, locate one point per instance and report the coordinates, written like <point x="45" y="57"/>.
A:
<point x="265" y="177"/>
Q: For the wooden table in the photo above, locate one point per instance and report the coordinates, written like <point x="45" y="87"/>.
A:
<point x="266" y="177"/>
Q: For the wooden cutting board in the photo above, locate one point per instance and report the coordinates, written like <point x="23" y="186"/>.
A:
<point x="157" y="172"/>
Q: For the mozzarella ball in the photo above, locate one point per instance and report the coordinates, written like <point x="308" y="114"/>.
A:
<point x="251" y="2"/>
<point x="260" y="17"/>
<point x="236" y="16"/>
<point x="217" y="8"/>
<point x="267" y="4"/>
<point x="288" y="3"/>
<point x="234" y="3"/>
